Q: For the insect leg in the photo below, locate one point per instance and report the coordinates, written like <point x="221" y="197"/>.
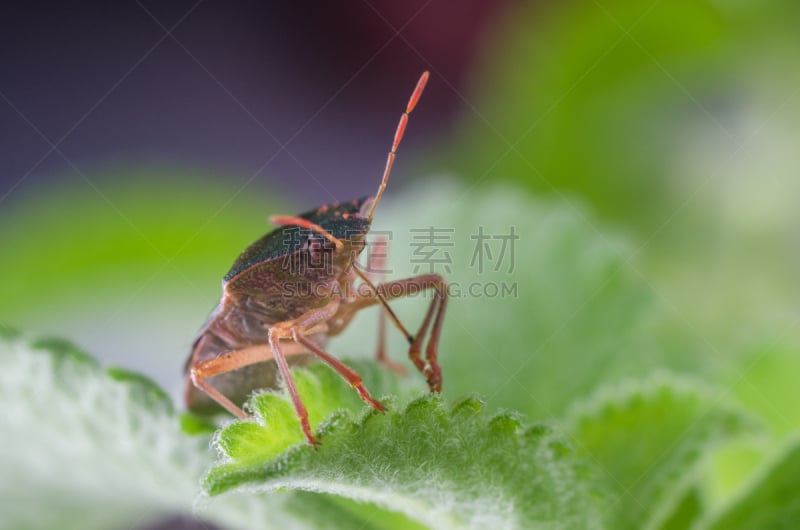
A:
<point x="284" y="330"/>
<point x="406" y="287"/>
<point x="347" y="373"/>
<point x="283" y="367"/>
<point x="227" y="363"/>
<point x="434" y="375"/>
<point x="377" y="261"/>
<point x="414" y="351"/>
<point x="409" y="286"/>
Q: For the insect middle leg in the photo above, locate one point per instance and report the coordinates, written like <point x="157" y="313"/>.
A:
<point x="294" y="330"/>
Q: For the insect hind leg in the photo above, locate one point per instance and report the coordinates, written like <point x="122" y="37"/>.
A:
<point x="225" y="363"/>
<point x="376" y="264"/>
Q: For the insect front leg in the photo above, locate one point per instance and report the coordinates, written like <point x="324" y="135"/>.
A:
<point x="406" y="287"/>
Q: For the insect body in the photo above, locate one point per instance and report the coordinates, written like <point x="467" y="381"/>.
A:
<point x="293" y="288"/>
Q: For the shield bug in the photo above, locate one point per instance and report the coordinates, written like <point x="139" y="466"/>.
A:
<point x="291" y="290"/>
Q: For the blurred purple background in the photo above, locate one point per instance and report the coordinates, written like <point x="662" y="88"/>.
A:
<point x="232" y="82"/>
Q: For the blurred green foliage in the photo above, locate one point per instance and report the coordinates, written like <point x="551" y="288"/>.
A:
<point x="120" y="229"/>
<point x="645" y="153"/>
<point x="603" y="99"/>
<point x="677" y="120"/>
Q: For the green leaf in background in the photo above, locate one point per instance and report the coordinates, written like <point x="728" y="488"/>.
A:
<point x="575" y="314"/>
<point x="647" y="439"/>
<point x="7" y="332"/>
<point x="446" y="467"/>
<point x="766" y="383"/>
<point x="685" y="513"/>
<point x="571" y="99"/>
<point x="769" y="501"/>
<point x="677" y="120"/>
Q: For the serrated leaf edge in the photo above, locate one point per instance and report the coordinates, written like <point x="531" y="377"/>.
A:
<point x="615" y="396"/>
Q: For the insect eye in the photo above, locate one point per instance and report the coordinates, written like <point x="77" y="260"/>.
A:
<point x="317" y="244"/>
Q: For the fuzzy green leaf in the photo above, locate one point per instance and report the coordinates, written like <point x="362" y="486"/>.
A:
<point x="96" y="448"/>
<point x="89" y="448"/>
<point x="646" y="439"/>
<point x="444" y="467"/>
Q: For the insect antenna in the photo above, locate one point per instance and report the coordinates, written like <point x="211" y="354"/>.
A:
<point x="357" y="268"/>
<point x="398" y="135"/>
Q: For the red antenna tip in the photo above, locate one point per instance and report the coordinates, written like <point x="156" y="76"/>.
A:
<point x="423" y="80"/>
